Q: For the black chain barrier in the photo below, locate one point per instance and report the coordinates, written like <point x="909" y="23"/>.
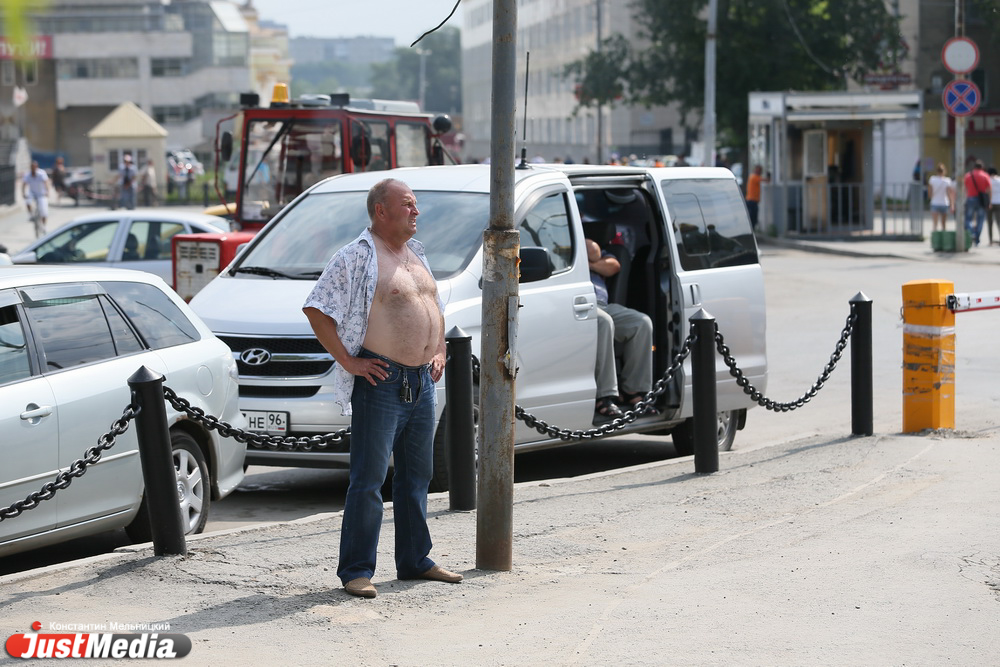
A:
<point x="769" y="404"/>
<point x="659" y="387"/>
<point x="258" y="440"/>
<point x="76" y="469"/>
<point x="309" y="443"/>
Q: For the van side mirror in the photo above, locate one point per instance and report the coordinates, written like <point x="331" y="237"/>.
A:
<point x="226" y="146"/>
<point x="535" y="265"/>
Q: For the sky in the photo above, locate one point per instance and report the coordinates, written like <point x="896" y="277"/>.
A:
<point x="403" y="20"/>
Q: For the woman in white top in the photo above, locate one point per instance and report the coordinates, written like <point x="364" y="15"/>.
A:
<point x="942" y="191"/>
<point x="993" y="212"/>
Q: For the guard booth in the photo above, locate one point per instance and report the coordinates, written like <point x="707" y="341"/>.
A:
<point x="841" y="164"/>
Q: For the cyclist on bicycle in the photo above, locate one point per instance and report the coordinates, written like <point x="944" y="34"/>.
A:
<point x="35" y="188"/>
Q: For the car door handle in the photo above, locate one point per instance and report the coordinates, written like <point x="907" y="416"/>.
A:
<point x="695" y="294"/>
<point x="33" y="413"/>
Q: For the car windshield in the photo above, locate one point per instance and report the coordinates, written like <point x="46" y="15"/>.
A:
<point x="450" y="226"/>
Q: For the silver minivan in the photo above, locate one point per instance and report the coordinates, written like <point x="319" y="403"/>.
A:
<point x="682" y="235"/>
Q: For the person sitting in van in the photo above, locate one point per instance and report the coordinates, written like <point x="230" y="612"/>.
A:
<point x="630" y="328"/>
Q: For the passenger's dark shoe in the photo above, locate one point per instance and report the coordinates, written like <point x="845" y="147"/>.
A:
<point x="606" y="410"/>
<point x="361" y="587"/>
<point x="630" y="401"/>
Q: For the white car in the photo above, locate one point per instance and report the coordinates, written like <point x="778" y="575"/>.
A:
<point x="134" y="239"/>
<point x="70" y="337"/>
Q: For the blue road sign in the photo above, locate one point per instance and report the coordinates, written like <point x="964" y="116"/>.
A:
<point x="961" y="98"/>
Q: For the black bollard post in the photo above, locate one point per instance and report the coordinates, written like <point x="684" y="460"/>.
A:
<point x="460" y="431"/>
<point x="706" y="419"/>
<point x="862" y="395"/>
<point x="204" y="188"/>
<point x="157" y="459"/>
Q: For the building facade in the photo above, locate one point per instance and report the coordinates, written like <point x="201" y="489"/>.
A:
<point x="178" y="61"/>
<point x="556" y="33"/>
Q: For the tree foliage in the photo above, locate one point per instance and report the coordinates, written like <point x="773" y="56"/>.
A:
<point x="399" y="79"/>
<point x="761" y="45"/>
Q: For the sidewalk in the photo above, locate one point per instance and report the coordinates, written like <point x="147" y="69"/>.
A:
<point x="831" y="550"/>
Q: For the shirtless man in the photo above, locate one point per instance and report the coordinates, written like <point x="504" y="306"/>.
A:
<point x="376" y="310"/>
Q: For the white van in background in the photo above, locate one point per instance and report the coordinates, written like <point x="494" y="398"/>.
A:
<point x="682" y="235"/>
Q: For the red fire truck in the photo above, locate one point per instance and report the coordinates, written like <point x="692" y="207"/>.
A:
<point x="275" y="153"/>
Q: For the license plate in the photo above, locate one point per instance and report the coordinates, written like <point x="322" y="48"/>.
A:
<point x="259" y="421"/>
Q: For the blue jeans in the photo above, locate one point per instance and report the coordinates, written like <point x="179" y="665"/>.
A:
<point x="383" y="423"/>
<point x="972" y="207"/>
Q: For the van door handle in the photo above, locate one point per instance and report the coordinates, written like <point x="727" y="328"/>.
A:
<point x="582" y="306"/>
<point x="33" y="413"/>
<point x="695" y="294"/>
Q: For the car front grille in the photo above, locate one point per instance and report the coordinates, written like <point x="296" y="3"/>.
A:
<point x="263" y="391"/>
<point x="278" y="357"/>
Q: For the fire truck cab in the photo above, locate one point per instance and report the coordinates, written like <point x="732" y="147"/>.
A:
<point x="279" y="151"/>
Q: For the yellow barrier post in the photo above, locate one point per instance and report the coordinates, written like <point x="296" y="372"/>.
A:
<point x="928" y="356"/>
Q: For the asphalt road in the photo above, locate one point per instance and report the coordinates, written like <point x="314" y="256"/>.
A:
<point x="807" y="306"/>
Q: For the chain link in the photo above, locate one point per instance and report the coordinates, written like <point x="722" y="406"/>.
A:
<point x="76" y="469"/>
<point x="256" y="440"/>
<point x="765" y="402"/>
<point x="659" y="387"/>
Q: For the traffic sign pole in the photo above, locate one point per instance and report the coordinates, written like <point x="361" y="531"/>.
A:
<point x="960" y="56"/>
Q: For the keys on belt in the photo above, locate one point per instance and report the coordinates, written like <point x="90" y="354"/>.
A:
<point x="405" y="394"/>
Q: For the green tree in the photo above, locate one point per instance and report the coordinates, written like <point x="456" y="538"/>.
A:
<point x="761" y="45"/>
<point x="399" y="79"/>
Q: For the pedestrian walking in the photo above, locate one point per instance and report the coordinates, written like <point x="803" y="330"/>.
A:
<point x="977" y="199"/>
<point x="942" y="191"/>
<point x="147" y="183"/>
<point x="127" y="183"/>
<point x="993" y="214"/>
<point x="376" y="309"/>
<point x="59" y="178"/>
<point x="35" y="189"/>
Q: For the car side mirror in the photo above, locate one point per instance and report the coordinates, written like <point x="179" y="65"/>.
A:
<point x="535" y="265"/>
<point x="226" y="147"/>
<point x="30" y="257"/>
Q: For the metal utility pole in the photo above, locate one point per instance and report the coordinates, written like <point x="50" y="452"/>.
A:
<point x="960" y="147"/>
<point x="600" y="107"/>
<point x="709" y="120"/>
<point x="501" y="245"/>
<point x="422" y="93"/>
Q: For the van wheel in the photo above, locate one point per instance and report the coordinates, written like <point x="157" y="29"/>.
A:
<point x="193" y="491"/>
<point x="439" y="480"/>
<point x="683" y="433"/>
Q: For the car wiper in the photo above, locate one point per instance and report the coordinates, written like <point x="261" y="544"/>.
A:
<point x="264" y="271"/>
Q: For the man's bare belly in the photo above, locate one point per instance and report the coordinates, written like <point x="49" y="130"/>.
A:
<point x="404" y="323"/>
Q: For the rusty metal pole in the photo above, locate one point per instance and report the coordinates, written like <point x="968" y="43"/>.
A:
<point x="494" y="521"/>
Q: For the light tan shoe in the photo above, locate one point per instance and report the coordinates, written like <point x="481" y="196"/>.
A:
<point x="438" y="573"/>
<point x="361" y="587"/>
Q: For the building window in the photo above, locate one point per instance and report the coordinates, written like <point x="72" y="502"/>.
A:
<point x="98" y="68"/>
<point x="29" y="70"/>
<point x="173" y="114"/>
<point x="167" y="67"/>
<point x="7" y="75"/>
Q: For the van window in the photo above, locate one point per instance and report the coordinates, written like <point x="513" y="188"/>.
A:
<point x="450" y="226"/>
<point x="710" y="223"/>
<point x="546" y="225"/>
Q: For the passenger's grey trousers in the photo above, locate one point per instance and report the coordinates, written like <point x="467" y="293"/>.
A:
<point x="633" y="331"/>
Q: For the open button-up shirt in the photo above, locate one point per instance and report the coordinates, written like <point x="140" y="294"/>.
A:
<point x="345" y="292"/>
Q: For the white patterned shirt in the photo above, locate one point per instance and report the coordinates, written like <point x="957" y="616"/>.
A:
<point x="345" y="293"/>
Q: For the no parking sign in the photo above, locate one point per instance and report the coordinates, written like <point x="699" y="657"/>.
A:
<point x="961" y="98"/>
